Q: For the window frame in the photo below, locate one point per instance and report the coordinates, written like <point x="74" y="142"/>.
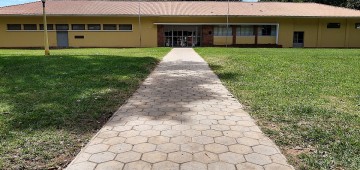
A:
<point x="125" y="29"/>
<point x="333" y="25"/>
<point x="8" y="27"/>
<point x="105" y="27"/>
<point x="57" y="28"/>
<point x="30" y="27"/>
<point x="241" y="33"/>
<point x="219" y="31"/>
<point x="78" y="29"/>
<point x="89" y="27"/>
<point x="49" y="27"/>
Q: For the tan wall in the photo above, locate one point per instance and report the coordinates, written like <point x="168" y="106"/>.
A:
<point x="222" y="40"/>
<point x="92" y="38"/>
<point x="245" y="39"/>
<point x="267" y="40"/>
<point x="315" y="31"/>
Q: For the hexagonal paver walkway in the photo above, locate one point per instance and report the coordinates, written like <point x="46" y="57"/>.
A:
<point x="182" y="117"/>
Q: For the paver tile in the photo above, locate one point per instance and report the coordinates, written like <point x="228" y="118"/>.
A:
<point x="192" y="147"/>
<point x="128" y="156"/>
<point x="114" y="141"/>
<point x="102" y="157"/>
<point x="181" y="117"/>
<point x="216" y="148"/>
<point x="144" y="147"/>
<point x="206" y="157"/>
<point x="138" y="165"/>
<point x="111" y="165"/>
<point x="258" y="159"/>
<point x="249" y="166"/>
<point x="154" y="157"/>
<point x="136" y="140"/>
<point x="232" y="158"/>
<point x="193" y="166"/>
<point x="180" y="157"/>
<point x="166" y="165"/>
<point x="221" y="166"/>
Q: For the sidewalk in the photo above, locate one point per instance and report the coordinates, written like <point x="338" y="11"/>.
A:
<point x="181" y="117"/>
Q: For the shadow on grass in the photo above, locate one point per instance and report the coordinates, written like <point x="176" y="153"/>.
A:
<point x="73" y="93"/>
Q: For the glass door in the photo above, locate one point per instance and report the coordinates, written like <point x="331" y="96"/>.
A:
<point x="182" y="36"/>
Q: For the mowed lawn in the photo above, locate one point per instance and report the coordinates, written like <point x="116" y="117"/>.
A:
<point x="306" y="100"/>
<point x="51" y="106"/>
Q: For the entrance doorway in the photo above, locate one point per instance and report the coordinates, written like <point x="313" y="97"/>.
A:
<point x="182" y="36"/>
<point x="298" y="39"/>
<point x="62" y="39"/>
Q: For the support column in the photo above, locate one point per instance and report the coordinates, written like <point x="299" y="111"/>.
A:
<point x="233" y="34"/>
<point x="207" y="35"/>
<point x="256" y="27"/>
<point x="160" y="36"/>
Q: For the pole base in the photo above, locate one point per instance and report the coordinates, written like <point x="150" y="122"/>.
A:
<point x="47" y="52"/>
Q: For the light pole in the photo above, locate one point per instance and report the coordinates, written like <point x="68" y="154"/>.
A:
<point x="46" y="38"/>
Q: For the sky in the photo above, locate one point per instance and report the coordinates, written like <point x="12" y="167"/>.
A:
<point x="14" y="2"/>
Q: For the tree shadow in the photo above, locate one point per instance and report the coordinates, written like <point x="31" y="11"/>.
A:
<point x="73" y="93"/>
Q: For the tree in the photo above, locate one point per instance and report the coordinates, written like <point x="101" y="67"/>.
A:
<point x="354" y="4"/>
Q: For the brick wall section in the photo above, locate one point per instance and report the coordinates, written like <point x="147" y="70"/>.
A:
<point x="207" y="35"/>
<point x="160" y="36"/>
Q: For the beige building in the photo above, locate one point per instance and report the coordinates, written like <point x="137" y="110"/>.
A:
<point x="179" y="24"/>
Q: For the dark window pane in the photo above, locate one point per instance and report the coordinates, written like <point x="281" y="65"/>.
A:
<point x="109" y="27"/>
<point x="94" y="27"/>
<point x="333" y="25"/>
<point x="125" y="27"/>
<point x="79" y="37"/>
<point x="78" y="26"/>
<point x="30" y="27"/>
<point x="62" y="27"/>
<point x="14" y="26"/>
<point x="357" y="25"/>
<point x="49" y="26"/>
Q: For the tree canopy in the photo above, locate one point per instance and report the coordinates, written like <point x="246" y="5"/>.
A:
<point x="354" y="4"/>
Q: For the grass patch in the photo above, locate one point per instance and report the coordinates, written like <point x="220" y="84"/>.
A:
<point x="51" y="106"/>
<point x="307" y="100"/>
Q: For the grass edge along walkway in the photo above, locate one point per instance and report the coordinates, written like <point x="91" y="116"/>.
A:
<point x="306" y="100"/>
<point x="51" y="106"/>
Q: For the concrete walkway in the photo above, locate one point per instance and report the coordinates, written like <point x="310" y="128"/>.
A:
<point x="182" y="117"/>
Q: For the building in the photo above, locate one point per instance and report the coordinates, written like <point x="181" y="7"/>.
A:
<point x="179" y="24"/>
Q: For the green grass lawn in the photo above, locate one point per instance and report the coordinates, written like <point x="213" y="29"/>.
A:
<point x="51" y="106"/>
<point x="306" y="100"/>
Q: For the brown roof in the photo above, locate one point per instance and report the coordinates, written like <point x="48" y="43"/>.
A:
<point x="180" y="8"/>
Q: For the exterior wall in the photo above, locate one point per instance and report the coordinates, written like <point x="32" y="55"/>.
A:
<point x="223" y="40"/>
<point x="266" y="39"/>
<point x="245" y="39"/>
<point x="92" y="38"/>
<point x="315" y="31"/>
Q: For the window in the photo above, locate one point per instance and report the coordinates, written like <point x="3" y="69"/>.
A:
<point x="49" y="26"/>
<point x="78" y="26"/>
<point x="333" y="25"/>
<point x="125" y="27"/>
<point x="79" y="37"/>
<point x="298" y="37"/>
<point x="245" y="30"/>
<point x="267" y="30"/>
<point x="357" y="26"/>
<point x="94" y="27"/>
<point x="109" y="27"/>
<point x="62" y="27"/>
<point x="14" y="26"/>
<point x="30" y="27"/>
<point x="222" y="31"/>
